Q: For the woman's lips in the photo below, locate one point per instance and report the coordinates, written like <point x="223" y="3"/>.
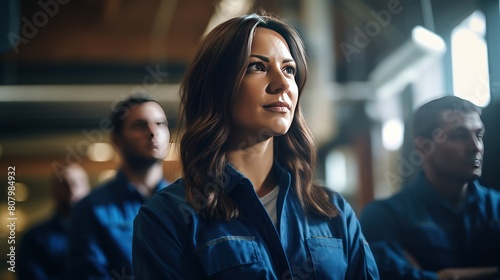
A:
<point x="280" y="107"/>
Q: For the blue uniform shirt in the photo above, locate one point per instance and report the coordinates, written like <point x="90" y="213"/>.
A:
<point x="101" y="235"/>
<point x="172" y="242"/>
<point x="419" y="222"/>
<point x="44" y="251"/>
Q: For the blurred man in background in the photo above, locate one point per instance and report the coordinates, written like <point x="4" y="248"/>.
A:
<point x="490" y="117"/>
<point x="44" y="248"/>
<point x="443" y="225"/>
<point x="101" y="236"/>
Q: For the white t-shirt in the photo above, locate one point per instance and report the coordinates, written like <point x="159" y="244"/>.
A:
<point x="269" y="202"/>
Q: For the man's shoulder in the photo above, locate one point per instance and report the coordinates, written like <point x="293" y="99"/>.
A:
<point x="488" y="193"/>
<point x="170" y="204"/>
<point x="44" y="228"/>
<point x="487" y="190"/>
<point x="37" y="229"/>
<point x="102" y="189"/>
<point x="174" y="193"/>
<point x="394" y="204"/>
<point x="103" y="193"/>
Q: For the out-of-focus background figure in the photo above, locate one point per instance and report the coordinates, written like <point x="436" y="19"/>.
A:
<point x="44" y="248"/>
<point x="491" y="163"/>
<point x="101" y="232"/>
<point x="443" y="224"/>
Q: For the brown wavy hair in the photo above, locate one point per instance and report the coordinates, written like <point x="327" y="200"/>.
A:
<point x="207" y="94"/>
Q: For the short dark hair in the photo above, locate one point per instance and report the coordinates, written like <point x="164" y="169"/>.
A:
<point x="428" y="117"/>
<point x="121" y="109"/>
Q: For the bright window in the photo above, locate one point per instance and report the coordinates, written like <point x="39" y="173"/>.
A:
<point x="470" y="60"/>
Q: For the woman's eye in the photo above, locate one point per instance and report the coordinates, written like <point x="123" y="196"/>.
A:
<point x="256" y="66"/>
<point x="290" y="70"/>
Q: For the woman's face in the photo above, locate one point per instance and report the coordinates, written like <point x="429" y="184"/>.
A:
<point x="266" y="99"/>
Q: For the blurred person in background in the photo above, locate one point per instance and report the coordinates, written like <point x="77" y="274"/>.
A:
<point x="101" y="236"/>
<point x="44" y="248"/>
<point x="247" y="206"/>
<point x="491" y="163"/>
<point x="444" y="224"/>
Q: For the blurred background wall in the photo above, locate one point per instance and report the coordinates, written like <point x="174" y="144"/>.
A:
<point x="65" y="64"/>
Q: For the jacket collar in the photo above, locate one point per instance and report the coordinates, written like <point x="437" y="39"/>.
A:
<point x="424" y="188"/>
<point x="233" y="176"/>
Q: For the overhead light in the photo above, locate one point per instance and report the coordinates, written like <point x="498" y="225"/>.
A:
<point x="477" y="23"/>
<point x="427" y="40"/>
<point x="393" y="134"/>
<point x="166" y="93"/>
<point x="336" y="177"/>
<point x="407" y="63"/>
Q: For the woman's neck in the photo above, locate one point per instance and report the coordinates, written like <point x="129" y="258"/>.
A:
<point x="255" y="162"/>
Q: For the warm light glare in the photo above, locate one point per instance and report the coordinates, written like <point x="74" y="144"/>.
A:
<point x="393" y="134"/>
<point x="100" y="152"/>
<point x="22" y="192"/>
<point x="173" y="152"/>
<point x="21" y="220"/>
<point x="106" y="175"/>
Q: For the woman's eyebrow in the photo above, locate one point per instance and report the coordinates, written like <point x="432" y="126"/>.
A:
<point x="266" y="59"/>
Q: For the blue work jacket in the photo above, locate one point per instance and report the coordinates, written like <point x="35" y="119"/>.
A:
<point x="419" y="222"/>
<point x="44" y="251"/>
<point x="101" y="233"/>
<point x="171" y="241"/>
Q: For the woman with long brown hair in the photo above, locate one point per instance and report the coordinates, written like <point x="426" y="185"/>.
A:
<point x="246" y="206"/>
